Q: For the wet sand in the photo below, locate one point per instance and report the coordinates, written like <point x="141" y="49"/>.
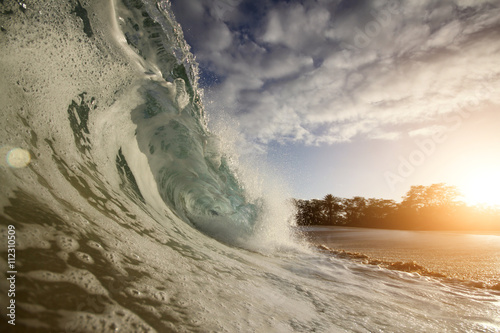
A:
<point x="457" y="255"/>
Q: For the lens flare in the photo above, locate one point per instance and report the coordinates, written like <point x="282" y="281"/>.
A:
<point x="18" y="158"/>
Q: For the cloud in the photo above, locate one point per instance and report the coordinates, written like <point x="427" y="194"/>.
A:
<point x="427" y="131"/>
<point x="295" y="26"/>
<point x="321" y="72"/>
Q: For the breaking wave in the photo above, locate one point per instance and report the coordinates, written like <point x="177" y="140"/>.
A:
<point x="130" y="215"/>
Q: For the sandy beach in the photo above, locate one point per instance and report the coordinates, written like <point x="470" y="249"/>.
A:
<point x="471" y="257"/>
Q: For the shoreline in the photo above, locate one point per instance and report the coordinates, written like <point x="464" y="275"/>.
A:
<point x="495" y="232"/>
<point x="457" y="257"/>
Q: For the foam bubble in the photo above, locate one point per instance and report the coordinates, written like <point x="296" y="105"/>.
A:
<point x="67" y="243"/>
<point x="113" y="320"/>
<point x="79" y="277"/>
<point x="34" y="236"/>
<point x="84" y="257"/>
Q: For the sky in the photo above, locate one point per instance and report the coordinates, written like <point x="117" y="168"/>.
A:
<point x="352" y="97"/>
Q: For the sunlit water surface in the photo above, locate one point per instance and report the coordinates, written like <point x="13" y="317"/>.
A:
<point x="131" y="216"/>
<point x="465" y="256"/>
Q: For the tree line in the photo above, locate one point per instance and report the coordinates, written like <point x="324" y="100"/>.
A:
<point x="434" y="207"/>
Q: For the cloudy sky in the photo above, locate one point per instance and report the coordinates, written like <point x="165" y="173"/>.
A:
<point x="355" y="97"/>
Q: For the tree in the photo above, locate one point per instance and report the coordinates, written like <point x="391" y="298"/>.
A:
<point x="380" y="208"/>
<point x="332" y="206"/>
<point x="420" y="196"/>
<point x="414" y="198"/>
<point x="315" y="212"/>
<point x="354" y="209"/>
<point x="434" y="207"/>
<point x="430" y="207"/>
<point x="309" y="212"/>
<point x="442" y="194"/>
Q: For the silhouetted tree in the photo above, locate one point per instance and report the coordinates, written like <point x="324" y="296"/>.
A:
<point x="332" y="206"/>
<point x="434" y="207"/>
<point x="316" y="211"/>
<point x="380" y="209"/>
<point x="354" y="210"/>
<point x="427" y="196"/>
<point x="429" y="207"/>
<point x="414" y="198"/>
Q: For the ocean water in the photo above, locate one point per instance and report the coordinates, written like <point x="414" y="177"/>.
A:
<point x="129" y="215"/>
<point x="457" y="257"/>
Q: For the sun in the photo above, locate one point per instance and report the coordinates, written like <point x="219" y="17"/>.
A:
<point x="482" y="188"/>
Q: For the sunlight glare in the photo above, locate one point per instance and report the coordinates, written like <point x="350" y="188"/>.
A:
<point x="482" y="188"/>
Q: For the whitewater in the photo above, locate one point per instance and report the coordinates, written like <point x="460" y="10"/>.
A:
<point x="130" y="215"/>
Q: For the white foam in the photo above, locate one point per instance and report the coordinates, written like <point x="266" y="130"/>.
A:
<point x="84" y="257"/>
<point x="114" y="319"/>
<point x="197" y="282"/>
<point x="67" y="243"/>
<point x="94" y="245"/>
<point x="34" y="236"/>
<point x="82" y="278"/>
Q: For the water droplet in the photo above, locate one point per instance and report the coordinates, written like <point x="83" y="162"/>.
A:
<point x="18" y="158"/>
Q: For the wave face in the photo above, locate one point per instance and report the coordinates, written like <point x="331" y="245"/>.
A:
<point x="130" y="215"/>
